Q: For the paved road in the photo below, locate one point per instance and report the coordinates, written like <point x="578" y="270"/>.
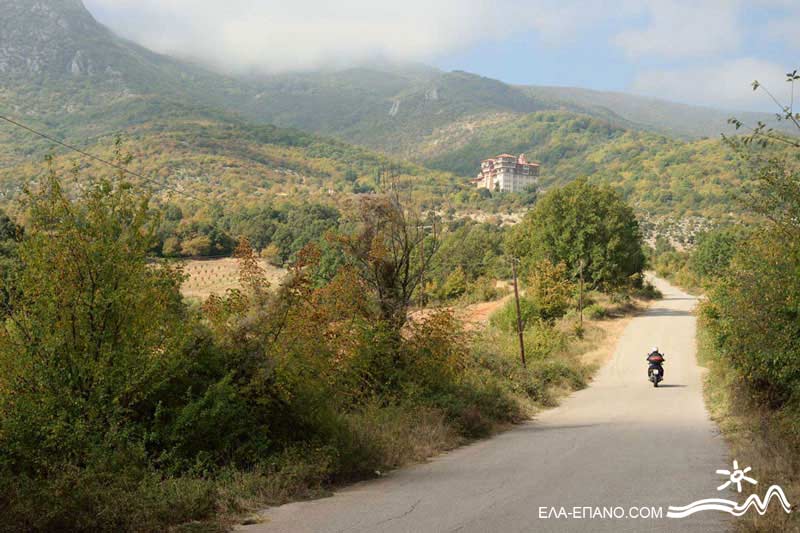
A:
<point x="618" y="443"/>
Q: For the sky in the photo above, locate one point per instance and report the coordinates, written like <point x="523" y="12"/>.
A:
<point x="703" y="52"/>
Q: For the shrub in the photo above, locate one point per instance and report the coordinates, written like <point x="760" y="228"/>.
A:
<point x="595" y="312"/>
<point x="542" y="340"/>
<point x="506" y="317"/>
<point x="648" y="291"/>
<point x="484" y="289"/>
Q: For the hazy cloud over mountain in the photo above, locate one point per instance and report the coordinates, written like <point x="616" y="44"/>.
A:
<point x="728" y="82"/>
<point x="276" y="35"/>
<point x="643" y="45"/>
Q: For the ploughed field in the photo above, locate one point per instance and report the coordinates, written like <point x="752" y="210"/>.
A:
<point x="215" y="276"/>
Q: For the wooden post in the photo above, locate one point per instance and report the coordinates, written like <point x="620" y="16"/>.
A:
<point x="519" y="314"/>
<point x="580" y="296"/>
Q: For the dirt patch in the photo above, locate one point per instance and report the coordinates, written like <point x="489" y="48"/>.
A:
<point x="476" y="316"/>
<point x="473" y="316"/>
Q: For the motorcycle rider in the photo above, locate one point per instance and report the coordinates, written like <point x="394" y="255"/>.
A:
<point x="656" y="360"/>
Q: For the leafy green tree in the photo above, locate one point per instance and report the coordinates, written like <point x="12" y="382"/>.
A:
<point x="754" y="312"/>
<point x="476" y="248"/>
<point x="582" y="222"/>
<point x="304" y="224"/>
<point x="10" y="235"/>
<point x="108" y="383"/>
<point x="713" y="253"/>
<point x="197" y="246"/>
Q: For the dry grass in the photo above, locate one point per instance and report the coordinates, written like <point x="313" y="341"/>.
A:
<point x="382" y="437"/>
<point x="215" y="276"/>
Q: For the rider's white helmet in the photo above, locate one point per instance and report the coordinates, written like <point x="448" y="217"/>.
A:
<point x="655" y="349"/>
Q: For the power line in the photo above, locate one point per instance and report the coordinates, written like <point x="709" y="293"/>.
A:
<point x="103" y="161"/>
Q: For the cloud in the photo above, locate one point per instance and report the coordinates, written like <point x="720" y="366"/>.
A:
<point x="281" y="35"/>
<point x="785" y="30"/>
<point x="684" y="28"/>
<point x="276" y="35"/>
<point x="557" y="21"/>
<point x="723" y="85"/>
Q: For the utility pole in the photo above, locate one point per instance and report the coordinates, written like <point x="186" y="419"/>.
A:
<point x="519" y="314"/>
<point x="421" y="287"/>
<point x="580" y="294"/>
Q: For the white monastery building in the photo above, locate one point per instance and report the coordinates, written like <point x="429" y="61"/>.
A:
<point x="507" y="173"/>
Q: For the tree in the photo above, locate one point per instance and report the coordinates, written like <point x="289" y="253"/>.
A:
<point x="197" y="246"/>
<point x="776" y="194"/>
<point x="455" y="284"/>
<point x="550" y="288"/>
<point x="713" y="253"/>
<point x="582" y="222"/>
<point x="391" y="248"/>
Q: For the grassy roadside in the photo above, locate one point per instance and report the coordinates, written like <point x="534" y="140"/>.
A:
<point x="497" y="394"/>
<point x="763" y="439"/>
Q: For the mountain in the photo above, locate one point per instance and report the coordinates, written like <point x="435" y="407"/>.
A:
<point x="65" y="74"/>
<point x="403" y="109"/>
<point x="62" y="72"/>
<point x="216" y="158"/>
<point x="225" y="138"/>
<point x="653" y="114"/>
<point x="389" y="109"/>
<point x="57" y="61"/>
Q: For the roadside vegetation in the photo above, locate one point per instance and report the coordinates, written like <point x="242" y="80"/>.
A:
<point x="124" y="407"/>
<point x="750" y="321"/>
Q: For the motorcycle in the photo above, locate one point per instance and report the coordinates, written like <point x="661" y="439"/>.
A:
<point x="656" y="374"/>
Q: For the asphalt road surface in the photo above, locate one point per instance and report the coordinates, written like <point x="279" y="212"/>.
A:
<point x="617" y="445"/>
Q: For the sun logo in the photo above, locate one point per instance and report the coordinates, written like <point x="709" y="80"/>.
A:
<point x="736" y="477"/>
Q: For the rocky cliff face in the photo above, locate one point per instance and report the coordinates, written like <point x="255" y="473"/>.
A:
<point x="54" y="38"/>
<point x="56" y="58"/>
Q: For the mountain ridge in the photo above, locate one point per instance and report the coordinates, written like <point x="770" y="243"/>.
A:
<point x="386" y="108"/>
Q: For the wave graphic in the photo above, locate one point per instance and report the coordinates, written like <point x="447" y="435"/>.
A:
<point x="731" y="507"/>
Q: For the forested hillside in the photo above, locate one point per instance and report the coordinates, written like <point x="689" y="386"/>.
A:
<point x="657" y="174"/>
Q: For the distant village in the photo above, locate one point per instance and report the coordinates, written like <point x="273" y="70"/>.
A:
<point x="507" y="173"/>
